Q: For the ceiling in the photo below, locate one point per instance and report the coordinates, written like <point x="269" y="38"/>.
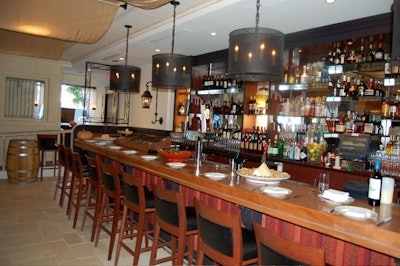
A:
<point x="196" y="19"/>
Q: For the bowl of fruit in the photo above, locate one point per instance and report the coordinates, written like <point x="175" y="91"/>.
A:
<point x="175" y="155"/>
<point x="314" y="152"/>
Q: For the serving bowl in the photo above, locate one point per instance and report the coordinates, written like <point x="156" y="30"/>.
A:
<point x="174" y="155"/>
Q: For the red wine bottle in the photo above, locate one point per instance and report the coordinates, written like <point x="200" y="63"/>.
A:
<point x="375" y="184"/>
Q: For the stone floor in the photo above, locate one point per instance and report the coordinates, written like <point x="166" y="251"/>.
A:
<point x="34" y="230"/>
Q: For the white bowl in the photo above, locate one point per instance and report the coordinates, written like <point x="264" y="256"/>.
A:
<point x="129" y="152"/>
<point x="176" y="165"/>
<point x="115" y="147"/>
<point x="148" y="157"/>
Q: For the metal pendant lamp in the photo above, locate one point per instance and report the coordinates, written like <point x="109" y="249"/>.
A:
<point x="123" y="77"/>
<point x="171" y="71"/>
<point x="256" y="54"/>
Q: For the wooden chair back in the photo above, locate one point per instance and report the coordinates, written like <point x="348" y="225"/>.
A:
<point x="286" y="249"/>
<point x="220" y="236"/>
<point x="170" y="211"/>
<point x="111" y="181"/>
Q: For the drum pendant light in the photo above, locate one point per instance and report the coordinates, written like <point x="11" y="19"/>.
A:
<point x="123" y="77"/>
<point x="171" y="71"/>
<point x="256" y="54"/>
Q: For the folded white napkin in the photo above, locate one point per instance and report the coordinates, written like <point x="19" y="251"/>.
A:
<point x="335" y="195"/>
<point x="357" y="214"/>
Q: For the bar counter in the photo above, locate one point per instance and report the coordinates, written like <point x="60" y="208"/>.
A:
<point x="302" y="211"/>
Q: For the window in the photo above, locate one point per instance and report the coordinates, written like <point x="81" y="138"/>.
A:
<point x="24" y="98"/>
<point x="77" y="104"/>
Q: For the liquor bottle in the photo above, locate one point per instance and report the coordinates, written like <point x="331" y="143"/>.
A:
<point x="281" y="147"/>
<point x="375" y="184"/>
<point x="297" y="75"/>
<point x="343" y="87"/>
<point x="343" y="56"/>
<point x="340" y="126"/>
<point x="361" y="89"/>
<point x="303" y="153"/>
<point x="329" y="58"/>
<point x="352" y="58"/>
<point x="370" y="90"/>
<point x="361" y="56"/>
<point x="370" y="56"/>
<point x="270" y="148"/>
<point x="304" y="77"/>
<point x="379" y="53"/>
<point x="225" y="82"/>
<point x="250" y="105"/>
<point x="286" y="75"/>
<point x="353" y="92"/>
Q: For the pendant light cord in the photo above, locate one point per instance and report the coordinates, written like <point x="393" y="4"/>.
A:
<point x="257" y="15"/>
<point x="174" y="3"/>
<point x="126" y="49"/>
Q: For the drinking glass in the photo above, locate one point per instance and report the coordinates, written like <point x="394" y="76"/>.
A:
<point x="323" y="182"/>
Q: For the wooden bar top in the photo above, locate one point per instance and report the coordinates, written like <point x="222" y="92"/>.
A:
<point x="302" y="207"/>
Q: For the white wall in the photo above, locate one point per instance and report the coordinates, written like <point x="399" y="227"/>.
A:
<point x="32" y="68"/>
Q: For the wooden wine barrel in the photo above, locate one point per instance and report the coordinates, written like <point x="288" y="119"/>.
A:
<point x="22" y="160"/>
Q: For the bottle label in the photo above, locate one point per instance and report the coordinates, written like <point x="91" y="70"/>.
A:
<point x="368" y="128"/>
<point x="374" y="190"/>
<point x="369" y="92"/>
<point x="340" y="128"/>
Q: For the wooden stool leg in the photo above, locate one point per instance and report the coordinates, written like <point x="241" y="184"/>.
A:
<point x="78" y="203"/>
<point x="101" y="217"/>
<point x="153" y="255"/>
<point x="58" y="181"/>
<point x="71" y="196"/>
<point x="114" y="229"/>
<point x="87" y="202"/>
<point x="96" y="213"/>
<point x="63" y="187"/>
<point x="121" y="234"/>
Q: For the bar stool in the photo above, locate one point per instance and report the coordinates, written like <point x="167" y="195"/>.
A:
<point x="61" y="167"/>
<point x="222" y="238"/>
<point x="47" y="143"/>
<point x="110" y="204"/>
<point x="178" y="221"/>
<point x="275" y="250"/>
<point x="138" y="205"/>
<point x="78" y="186"/>
<point x="93" y="195"/>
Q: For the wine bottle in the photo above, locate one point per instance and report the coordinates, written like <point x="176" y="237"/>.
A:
<point x="375" y="184"/>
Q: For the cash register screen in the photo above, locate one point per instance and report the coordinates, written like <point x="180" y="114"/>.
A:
<point x="354" y="147"/>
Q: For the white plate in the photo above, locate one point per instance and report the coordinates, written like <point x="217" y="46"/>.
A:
<point x="355" y="212"/>
<point x="100" y="143"/>
<point x="115" y="147"/>
<point x="148" y="157"/>
<point x="176" y="165"/>
<point x="276" y="191"/>
<point x="215" y="175"/>
<point x="105" y="140"/>
<point x="349" y="200"/>
<point x="263" y="180"/>
<point x="129" y="152"/>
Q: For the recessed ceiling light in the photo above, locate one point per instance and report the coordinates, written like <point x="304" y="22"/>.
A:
<point x="121" y="59"/>
<point x="213" y="34"/>
<point x="330" y="1"/>
<point x="158" y="50"/>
